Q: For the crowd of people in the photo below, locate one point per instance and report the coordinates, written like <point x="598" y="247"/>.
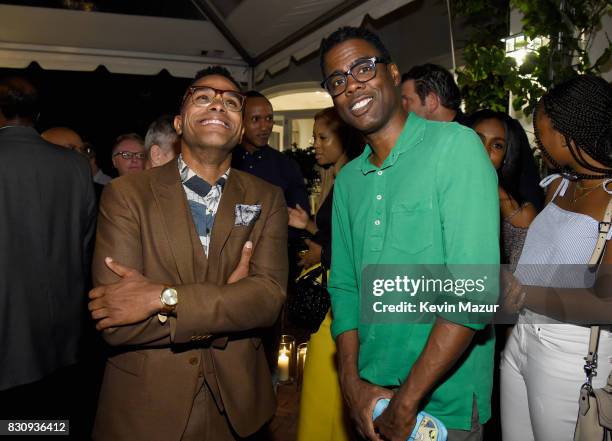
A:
<point x="182" y="263"/>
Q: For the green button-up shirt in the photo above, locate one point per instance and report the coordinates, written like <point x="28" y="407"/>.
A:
<point x="434" y="200"/>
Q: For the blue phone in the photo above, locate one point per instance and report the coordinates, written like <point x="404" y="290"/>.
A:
<point x="427" y="427"/>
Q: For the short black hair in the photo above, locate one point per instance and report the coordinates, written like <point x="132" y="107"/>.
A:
<point x="351" y="33"/>
<point x="18" y="99"/>
<point x="215" y="70"/>
<point x="431" y="78"/>
<point x="581" y="110"/>
<point x="254" y="94"/>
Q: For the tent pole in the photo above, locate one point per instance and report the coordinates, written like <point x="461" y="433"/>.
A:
<point x="450" y="29"/>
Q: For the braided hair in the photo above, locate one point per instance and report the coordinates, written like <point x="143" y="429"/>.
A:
<point x="581" y="110"/>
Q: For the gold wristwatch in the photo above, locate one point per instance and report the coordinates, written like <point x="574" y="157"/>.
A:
<point x="169" y="300"/>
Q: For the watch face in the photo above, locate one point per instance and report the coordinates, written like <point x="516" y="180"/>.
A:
<point x="169" y="296"/>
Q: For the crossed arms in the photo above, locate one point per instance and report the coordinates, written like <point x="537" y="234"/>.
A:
<point x="126" y="301"/>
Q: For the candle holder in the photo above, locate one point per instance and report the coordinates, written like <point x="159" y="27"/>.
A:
<point x="286" y="359"/>
<point x="302" y="350"/>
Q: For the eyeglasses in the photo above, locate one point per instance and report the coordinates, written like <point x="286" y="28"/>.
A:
<point x="203" y="96"/>
<point x="362" y="71"/>
<point x="130" y="155"/>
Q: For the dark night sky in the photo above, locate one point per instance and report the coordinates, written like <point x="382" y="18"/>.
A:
<point x="100" y="105"/>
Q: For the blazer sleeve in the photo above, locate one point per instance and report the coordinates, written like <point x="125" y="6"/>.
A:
<point x="118" y="236"/>
<point x="90" y="214"/>
<point x="204" y="308"/>
<point x="253" y="302"/>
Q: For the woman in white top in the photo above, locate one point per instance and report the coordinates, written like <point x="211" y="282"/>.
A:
<point x="542" y="364"/>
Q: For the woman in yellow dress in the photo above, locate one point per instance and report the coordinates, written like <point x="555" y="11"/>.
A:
<point x="322" y="416"/>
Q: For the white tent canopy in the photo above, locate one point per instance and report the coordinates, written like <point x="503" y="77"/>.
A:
<point x="249" y="37"/>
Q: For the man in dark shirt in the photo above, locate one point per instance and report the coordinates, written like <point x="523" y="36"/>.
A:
<point x="46" y="231"/>
<point x="255" y="156"/>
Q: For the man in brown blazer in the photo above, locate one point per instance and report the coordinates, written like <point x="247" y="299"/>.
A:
<point x="188" y="363"/>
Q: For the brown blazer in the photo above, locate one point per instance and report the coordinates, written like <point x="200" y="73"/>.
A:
<point x="150" y="383"/>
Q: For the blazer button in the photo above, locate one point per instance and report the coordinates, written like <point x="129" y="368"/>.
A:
<point x="193" y="361"/>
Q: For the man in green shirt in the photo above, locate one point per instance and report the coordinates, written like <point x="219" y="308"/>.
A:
<point x="422" y="192"/>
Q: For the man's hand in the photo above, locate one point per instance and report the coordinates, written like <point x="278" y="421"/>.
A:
<point x="397" y="421"/>
<point x="132" y="299"/>
<point x="312" y="256"/>
<point x="242" y="269"/>
<point x="361" y="397"/>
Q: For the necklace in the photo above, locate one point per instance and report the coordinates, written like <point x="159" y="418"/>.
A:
<point x="588" y="191"/>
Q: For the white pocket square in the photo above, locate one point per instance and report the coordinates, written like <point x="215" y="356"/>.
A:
<point x="245" y="214"/>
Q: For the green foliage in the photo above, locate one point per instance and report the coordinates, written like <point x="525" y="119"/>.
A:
<point x="570" y="26"/>
<point x="488" y="18"/>
<point x="488" y="75"/>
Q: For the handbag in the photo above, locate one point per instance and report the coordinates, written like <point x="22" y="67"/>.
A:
<point x="595" y="405"/>
<point x="310" y="301"/>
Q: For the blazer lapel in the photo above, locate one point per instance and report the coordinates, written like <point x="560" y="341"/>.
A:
<point x="233" y="193"/>
<point x="180" y="231"/>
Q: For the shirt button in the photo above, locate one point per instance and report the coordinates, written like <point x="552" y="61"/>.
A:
<point x="250" y="166"/>
<point x="376" y="222"/>
<point x="379" y="172"/>
<point x="378" y="197"/>
<point x="193" y="361"/>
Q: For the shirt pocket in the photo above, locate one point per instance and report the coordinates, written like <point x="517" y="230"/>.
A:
<point x="410" y="229"/>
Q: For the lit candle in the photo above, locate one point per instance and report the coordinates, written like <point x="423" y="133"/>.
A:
<point x="283" y="367"/>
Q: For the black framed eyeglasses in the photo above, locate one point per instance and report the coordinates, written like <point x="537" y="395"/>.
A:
<point x="362" y="70"/>
<point x="129" y="155"/>
<point x="203" y="96"/>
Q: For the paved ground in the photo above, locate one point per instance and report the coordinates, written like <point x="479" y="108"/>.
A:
<point x="284" y="424"/>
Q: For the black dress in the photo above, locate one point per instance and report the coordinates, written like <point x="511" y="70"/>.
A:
<point x="323" y="235"/>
